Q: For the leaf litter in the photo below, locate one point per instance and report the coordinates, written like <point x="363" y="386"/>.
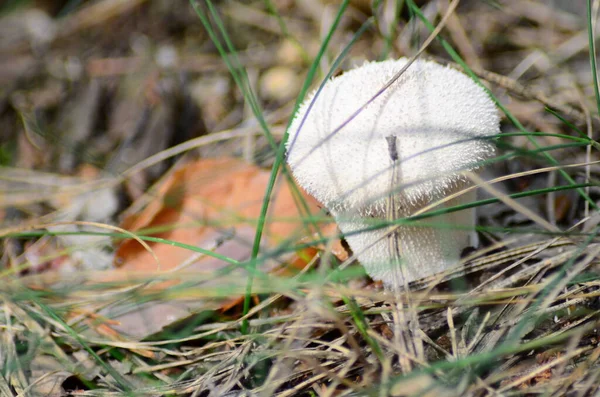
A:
<point x="115" y="86"/>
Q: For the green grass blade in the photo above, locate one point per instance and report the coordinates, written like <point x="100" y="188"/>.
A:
<point x="592" y="51"/>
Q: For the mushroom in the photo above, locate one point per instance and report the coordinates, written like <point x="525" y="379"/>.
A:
<point x="404" y="150"/>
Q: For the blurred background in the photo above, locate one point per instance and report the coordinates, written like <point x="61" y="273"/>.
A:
<point x="128" y="114"/>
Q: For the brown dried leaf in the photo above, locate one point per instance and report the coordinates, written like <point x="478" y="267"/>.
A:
<point x="204" y="203"/>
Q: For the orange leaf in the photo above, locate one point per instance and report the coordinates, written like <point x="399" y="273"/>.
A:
<point x="212" y="204"/>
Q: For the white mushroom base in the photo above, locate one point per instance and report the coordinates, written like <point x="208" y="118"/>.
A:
<point x="424" y="250"/>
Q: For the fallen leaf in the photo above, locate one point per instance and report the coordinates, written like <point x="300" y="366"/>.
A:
<point x="206" y="204"/>
<point x="212" y="204"/>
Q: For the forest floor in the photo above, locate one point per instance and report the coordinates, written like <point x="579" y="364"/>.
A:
<point x="147" y="248"/>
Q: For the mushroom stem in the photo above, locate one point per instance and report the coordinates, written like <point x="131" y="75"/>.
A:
<point x="424" y="249"/>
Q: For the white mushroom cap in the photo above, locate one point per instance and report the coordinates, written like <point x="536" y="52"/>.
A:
<point x="442" y="122"/>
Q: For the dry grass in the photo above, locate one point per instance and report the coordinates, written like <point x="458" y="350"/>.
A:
<point x="519" y="316"/>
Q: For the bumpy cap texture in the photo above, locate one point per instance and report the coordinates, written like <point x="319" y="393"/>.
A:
<point x="441" y="118"/>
